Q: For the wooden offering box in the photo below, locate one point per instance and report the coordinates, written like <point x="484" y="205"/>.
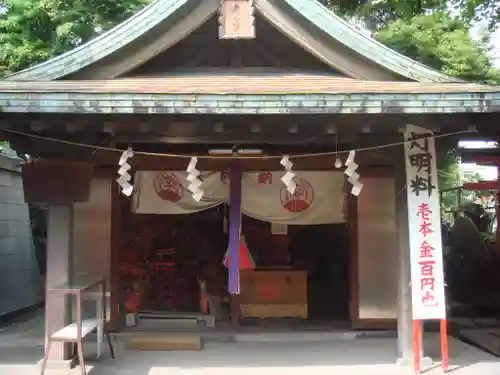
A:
<point x="273" y="294"/>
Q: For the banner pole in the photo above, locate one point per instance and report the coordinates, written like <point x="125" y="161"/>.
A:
<point x="416" y="346"/>
<point x="444" y="344"/>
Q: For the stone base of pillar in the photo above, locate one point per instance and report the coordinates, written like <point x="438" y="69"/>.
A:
<point x="424" y="362"/>
<point x="57" y="365"/>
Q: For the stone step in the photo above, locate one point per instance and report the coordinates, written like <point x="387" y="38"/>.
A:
<point x="165" y="324"/>
<point x="165" y="341"/>
<point x="159" y="320"/>
<point x="295" y="337"/>
<point x="167" y="315"/>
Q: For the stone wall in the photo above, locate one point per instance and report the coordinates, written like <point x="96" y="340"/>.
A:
<point x="21" y="284"/>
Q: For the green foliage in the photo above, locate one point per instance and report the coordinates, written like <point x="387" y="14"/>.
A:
<point x="442" y="43"/>
<point x="379" y="13"/>
<point x="449" y="175"/>
<point x="471" y="11"/>
<point x="32" y="31"/>
<point x="433" y="32"/>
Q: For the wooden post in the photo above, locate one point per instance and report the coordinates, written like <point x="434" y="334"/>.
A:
<point x="59" y="259"/>
<point x="234" y="239"/>
<point x="404" y="300"/>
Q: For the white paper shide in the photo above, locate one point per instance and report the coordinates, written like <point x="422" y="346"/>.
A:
<point x="352" y="175"/>
<point x="124" y="179"/>
<point x="194" y="178"/>
<point x="289" y="178"/>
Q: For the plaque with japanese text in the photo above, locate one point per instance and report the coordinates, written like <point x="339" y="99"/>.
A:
<point x="236" y="20"/>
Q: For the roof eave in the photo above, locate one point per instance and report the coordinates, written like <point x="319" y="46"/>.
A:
<point x="146" y="103"/>
<point x="103" y="46"/>
<point x="366" y="46"/>
<point x="161" y="10"/>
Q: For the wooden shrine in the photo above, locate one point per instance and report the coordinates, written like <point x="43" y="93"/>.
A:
<point x="184" y="78"/>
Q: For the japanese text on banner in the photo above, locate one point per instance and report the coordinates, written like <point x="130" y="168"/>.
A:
<point x="425" y="227"/>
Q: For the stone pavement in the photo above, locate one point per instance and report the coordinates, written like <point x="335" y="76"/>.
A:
<point x="21" y="349"/>
<point x="21" y="344"/>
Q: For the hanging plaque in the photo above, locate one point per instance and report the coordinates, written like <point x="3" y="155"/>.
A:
<point x="236" y="19"/>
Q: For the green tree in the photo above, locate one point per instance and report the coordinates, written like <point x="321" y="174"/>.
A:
<point x="442" y="43"/>
<point x="445" y="44"/>
<point x="32" y="31"/>
<point x="471" y="11"/>
<point x="379" y="13"/>
<point x="449" y="176"/>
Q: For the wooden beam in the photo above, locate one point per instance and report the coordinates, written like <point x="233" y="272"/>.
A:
<point x="383" y="122"/>
<point x="236" y="54"/>
<point x="482" y="185"/>
<point x="225" y="138"/>
<point x="481" y="159"/>
<point x="266" y="56"/>
<point x="199" y="57"/>
<point x="109" y="159"/>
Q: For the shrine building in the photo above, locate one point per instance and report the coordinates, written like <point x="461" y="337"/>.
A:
<point x="243" y="87"/>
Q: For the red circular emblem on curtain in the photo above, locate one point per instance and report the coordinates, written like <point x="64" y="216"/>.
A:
<point x="168" y="187"/>
<point x="301" y="199"/>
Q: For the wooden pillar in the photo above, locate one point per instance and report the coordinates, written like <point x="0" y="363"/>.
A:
<point x="405" y="318"/>
<point x="59" y="259"/>
<point x="234" y="239"/>
<point x="405" y="342"/>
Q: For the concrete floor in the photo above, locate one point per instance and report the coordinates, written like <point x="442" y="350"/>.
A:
<point x="21" y="347"/>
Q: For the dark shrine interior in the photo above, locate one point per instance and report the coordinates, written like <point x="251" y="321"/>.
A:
<point x="162" y="257"/>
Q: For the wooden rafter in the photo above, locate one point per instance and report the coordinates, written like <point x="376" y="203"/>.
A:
<point x="482" y="185"/>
